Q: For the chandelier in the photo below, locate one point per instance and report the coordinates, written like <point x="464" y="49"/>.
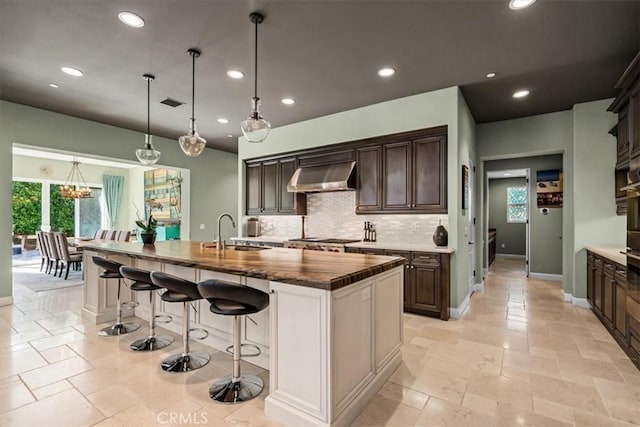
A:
<point x="75" y="187"/>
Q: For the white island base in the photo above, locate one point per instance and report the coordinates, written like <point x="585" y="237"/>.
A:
<point x="328" y="351"/>
<point x="331" y="351"/>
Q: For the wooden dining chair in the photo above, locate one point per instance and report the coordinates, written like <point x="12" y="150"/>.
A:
<point x="110" y="235"/>
<point x="54" y="258"/>
<point x="67" y="260"/>
<point x="123" y="236"/>
<point x="42" y="247"/>
<point x="99" y="234"/>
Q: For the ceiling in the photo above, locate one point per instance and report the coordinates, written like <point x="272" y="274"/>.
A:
<point x="325" y="54"/>
<point x="507" y="173"/>
<point x="62" y="156"/>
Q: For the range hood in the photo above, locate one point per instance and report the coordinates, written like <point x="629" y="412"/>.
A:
<point x="313" y="179"/>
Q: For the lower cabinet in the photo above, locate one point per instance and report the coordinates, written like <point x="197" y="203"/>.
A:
<point x="426" y="280"/>
<point x="607" y="294"/>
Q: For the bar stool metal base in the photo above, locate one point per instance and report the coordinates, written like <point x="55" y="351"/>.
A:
<point x="118" y="329"/>
<point x="181" y="363"/>
<point x="225" y="390"/>
<point x="151" y="343"/>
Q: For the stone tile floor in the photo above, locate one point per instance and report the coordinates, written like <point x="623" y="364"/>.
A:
<point x="519" y="356"/>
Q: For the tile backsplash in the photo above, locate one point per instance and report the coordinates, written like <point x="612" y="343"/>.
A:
<point x="333" y="214"/>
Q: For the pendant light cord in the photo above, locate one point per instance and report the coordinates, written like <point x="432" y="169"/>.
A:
<point x="193" y="87"/>
<point x="148" y="105"/>
<point x="255" y="62"/>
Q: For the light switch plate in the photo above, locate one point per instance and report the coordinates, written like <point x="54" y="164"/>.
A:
<point x="201" y="226"/>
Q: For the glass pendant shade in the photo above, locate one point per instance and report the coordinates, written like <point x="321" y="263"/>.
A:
<point x="255" y="128"/>
<point x="192" y="143"/>
<point x="148" y="155"/>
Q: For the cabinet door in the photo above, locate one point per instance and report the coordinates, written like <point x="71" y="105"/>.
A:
<point x="429" y="175"/>
<point x="290" y="203"/>
<point x="396" y="176"/>
<point x="597" y="287"/>
<point x="590" y="274"/>
<point x="254" y="184"/>
<point x="270" y="187"/>
<point x="620" y="310"/>
<point x="369" y="188"/>
<point x="623" y="137"/>
<point x="634" y="119"/>
<point x="426" y="288"/>
<point x="608" y="301"/>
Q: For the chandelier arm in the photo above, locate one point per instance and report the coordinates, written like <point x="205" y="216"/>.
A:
<point x="81" y="177"/>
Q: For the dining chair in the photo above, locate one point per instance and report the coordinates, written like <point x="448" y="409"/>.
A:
<point x="123" y="236"/>
<point x="99" y="234"/>
<point x="67" y="259"/>
<point x="54" y="257"/>
<point x="42" y="247"/>
<point x="110" y="235"/>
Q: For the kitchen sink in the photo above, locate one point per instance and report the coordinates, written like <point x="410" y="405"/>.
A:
<point x="249" y="248"/>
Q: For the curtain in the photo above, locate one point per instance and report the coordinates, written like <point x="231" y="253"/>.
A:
<point x="112" y="187"/>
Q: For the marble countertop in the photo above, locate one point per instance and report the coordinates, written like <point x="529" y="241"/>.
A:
<point x="611" y="253"/>
<point x="414" y="247"/>
<point x="316" y="269"/>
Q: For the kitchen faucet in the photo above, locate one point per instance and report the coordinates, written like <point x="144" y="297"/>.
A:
<point x="219" y="241"/>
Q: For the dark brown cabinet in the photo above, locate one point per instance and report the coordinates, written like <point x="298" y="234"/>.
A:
<point x="492" y="245"/>
<point x="369" y="188"/>
<point x="426" y="280"/>
<point x="607" y="292"/>
<point x="414" y="175"/>
<point x="266" y="189"/>
<point x="622" y="138"/>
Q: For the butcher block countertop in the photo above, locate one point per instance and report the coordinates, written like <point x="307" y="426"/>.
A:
<point x="316" y="269"/>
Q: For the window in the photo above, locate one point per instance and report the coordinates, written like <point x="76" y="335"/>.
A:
<point x="517" y="204"/>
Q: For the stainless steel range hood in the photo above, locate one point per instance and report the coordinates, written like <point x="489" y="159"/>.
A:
<point x="313" y="179"/>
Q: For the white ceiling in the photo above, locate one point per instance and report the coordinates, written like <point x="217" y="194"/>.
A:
<point x="507" y="173"/>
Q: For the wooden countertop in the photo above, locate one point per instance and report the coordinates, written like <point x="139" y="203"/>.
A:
<point x="612" y="254"/>
<point x="322" y="270"/>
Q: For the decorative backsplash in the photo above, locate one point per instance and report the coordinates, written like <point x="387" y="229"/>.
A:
<point x="333" y="214"/>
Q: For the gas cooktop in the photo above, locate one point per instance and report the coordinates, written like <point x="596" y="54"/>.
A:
<point x="321" y="240"/>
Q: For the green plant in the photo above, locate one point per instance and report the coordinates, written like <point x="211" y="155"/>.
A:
<point x="149" y="226"/>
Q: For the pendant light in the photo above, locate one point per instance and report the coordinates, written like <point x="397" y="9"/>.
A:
<point x="148" y="155"/>
<point x="255" y="128"/>
<point x="75" y="187"/>
<point x="192" y="144"/>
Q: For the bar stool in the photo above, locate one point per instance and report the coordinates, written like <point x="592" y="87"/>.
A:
<point x="112" y="271"/>
<point x="229" y="299"/>
<point x="142" y="282"/>
<point x="184" y="291"/>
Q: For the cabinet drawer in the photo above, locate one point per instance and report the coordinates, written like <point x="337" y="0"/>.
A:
<point x="421" y="257"/>
<point x="368" y="251"/>
<point x="403" y="254"/>
<point x="609" y="269"/>
<point x="621" y="277"/>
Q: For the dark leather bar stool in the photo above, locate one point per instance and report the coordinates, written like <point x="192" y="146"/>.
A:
<point x="112" y="271"/>
<point x="229" y="299"/>
<point x="142" y="282"/>
<point x="184" y="291"/>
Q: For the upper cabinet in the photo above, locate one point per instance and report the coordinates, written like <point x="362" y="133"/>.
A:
<point x="267" y="193"/>
<point x="403" y="173"/>
<point x="398" y="173"/>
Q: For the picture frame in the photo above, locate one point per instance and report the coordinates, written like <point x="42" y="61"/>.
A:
<point x="465" y="187"/>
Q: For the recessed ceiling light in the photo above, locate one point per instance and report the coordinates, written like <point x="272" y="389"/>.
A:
<point x="223" y="120"/>
<point x="72" y="71"/>
<point x="386" y="72"/>
<point x="229" y="136"/>
<point x="521" y="93"/>
<point x="491" y="75"/>
<point x="131" y="19"/>
<point x="506" y="174"/>
<point x="288" y="101"/>
<point x="520" y="4"/>
<point x="53" y="85"/>
<point x="235" y="74"/>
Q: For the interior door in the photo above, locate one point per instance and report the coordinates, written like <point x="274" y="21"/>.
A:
<point x="471" y="229"/>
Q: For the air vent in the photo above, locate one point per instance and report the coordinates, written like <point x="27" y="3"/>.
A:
<point x="171" y="102"/>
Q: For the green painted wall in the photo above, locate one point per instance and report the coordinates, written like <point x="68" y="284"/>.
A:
<point x="511" y="237"/>
<point x="213" y="188"/>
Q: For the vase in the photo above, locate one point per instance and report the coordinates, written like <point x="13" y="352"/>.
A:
<point x="441" y="236"/>
<point x="148" y="238"/>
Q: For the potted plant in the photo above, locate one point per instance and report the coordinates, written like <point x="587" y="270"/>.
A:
<point x="148" y="234"/>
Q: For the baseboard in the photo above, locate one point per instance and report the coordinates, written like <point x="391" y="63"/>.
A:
<point x="457" y="312"/>
<point x="511" y="256"/>
<point x="578" y="302"/>
<point x="546" y="276"/>
<point x="6" y="300"/>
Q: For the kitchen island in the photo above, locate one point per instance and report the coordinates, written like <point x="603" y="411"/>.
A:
<point x="330" y="337"/>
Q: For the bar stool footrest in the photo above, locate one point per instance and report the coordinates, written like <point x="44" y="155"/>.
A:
<point x="257" y="352"/>
<point x="163" y="318"/>
<point x="130" y="304"/>
<point x="204" y="335"/>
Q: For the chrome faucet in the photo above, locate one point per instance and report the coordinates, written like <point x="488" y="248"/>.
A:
<point x="219" y="241"/>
